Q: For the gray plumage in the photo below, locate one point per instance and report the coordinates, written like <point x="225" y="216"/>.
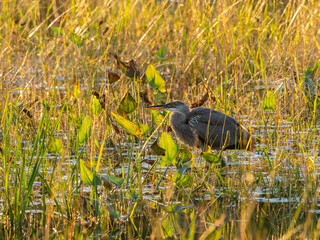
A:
<point x="203" y="127"/>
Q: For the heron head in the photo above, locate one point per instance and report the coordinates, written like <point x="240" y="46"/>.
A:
<point x="175" y="106"/>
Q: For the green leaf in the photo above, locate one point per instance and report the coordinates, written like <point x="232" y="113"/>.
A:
<point x="311" y="71"/>
<point x="88" y="176"/>
<point x="184" y="155"/>
<point x="67" y="107"/>
<point x="162" y="52"/>
<point x="171" y="148"/>
<point x="157" y="150"/>
<point x="157" y="117"/>
<point x="309" y="86"/>
<point x="75" y="120"/>
<point x="112" y="77"/>
<point x="210" y="158"/>
<point x="154" y="79"/>
<point x="95" y="105"/>
<point x="269" y="102"/>
<point x="55" y="145"/>
<point x="178" y="207"/>
<point x="144" y="128"/>
<point x="167" y="230"/>
<point x="127" y="124"/>
<point x="57" y="31"/>
<point x="76" y="89"/>
<point x="185" y="181"/>
<point x="127" y="104"/>
<point x="115" y="180"/>
<point x="84" y="131"/>
<point x="76" y="40"/>
<point x="132" y="194"/>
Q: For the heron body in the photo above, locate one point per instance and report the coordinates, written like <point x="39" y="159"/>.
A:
<point x="203" y="127"/>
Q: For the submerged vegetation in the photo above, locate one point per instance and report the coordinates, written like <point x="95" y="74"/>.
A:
<point x="82" y="157"/>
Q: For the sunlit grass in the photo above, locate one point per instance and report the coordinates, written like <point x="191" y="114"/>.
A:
<point x="258" y="61"/>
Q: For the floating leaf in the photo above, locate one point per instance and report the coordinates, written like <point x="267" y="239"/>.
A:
<point x="210" y="158"/>
<point x="269" y="102"/>
<point x="115" y="180"/>
<point x="178" y="207"/>
<point x="127" y="104"/>
<point x="102" y="99"/>
<point x="76" y="89"/>
<point x="184" y="156"/>
<point x="184" y="181"/>
<point x="157" y="117"/>
<point x="88" y="176"/>
<point x="127" y="124"/>
<point x="157" y="150"/>
<point x="55" y="145"/>
<point x="171" y="148"/>
<point x="84" y="131"/>
<point x="130" y="70"/>
<point x="161" y="53"/>
<point x="154" y="79"/>
<point x="112" y="77"/>
<point x="95" y="105"/>
<point x="167" y="230"/>
<point x="144" y="129"/>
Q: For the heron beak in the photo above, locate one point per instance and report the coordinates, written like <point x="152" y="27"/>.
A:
<point x="162" y="106"/>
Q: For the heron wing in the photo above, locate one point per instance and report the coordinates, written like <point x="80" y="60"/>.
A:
<point x="212" y="126"/>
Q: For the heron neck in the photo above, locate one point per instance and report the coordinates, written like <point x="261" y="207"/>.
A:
<point x="178" y="117"/>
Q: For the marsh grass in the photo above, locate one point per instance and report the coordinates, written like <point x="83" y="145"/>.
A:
<point x="258" y="60"/>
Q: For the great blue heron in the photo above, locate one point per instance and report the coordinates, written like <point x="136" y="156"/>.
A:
<point x="203" y="127"/>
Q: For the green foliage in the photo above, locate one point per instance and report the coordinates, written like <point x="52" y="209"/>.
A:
<point x="76" y="89"/>
<point x="55" y="55"/>
<point x="57" y="31"/>
<point x="144" y="128"/>
<point x="77" y="40"/>
<point x="157" y="150"/>
<point x="184" y="181"/>
<point x="167" y="230"/>
<point x="270" y="101"/>
<point x="127" y="124"/>
<point x="171" y="149"/>
<point x="127" y="104"/>
<point x="161" y="53"/>
<point x="85" y="130"/>
<point x="115" y="180"/>
<point x="310" y="85"/>
<point x="157" y="117"/>
<point x="95" y="105"/>
<point x="184" y="156"/>
<point x="88" y="176"/>
<point x="210" y="158"/>
<point x="55" y="145"/>
<point x="154" y="79"/>
<point x="173" y="208"/>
